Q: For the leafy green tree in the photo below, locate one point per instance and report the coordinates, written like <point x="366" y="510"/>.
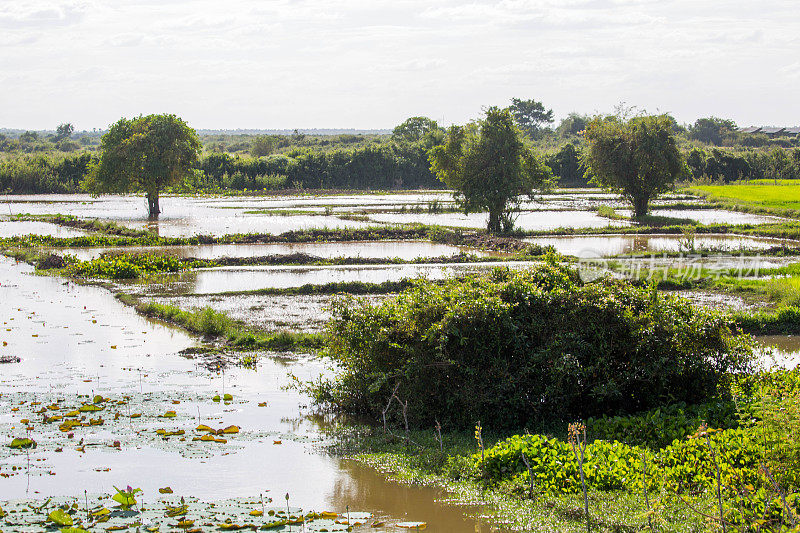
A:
<point x="64" y="131"/>
<point x="29" y="137"/>
<point x="574" y="124"/>
<point x="262" y="145"/>
<point x="144" y="154"/>
<point x="415" y="129"/>
<point x="489" y="167"/>
<point x="780" y="165"/>
<point x="712" y="130"/>
<point x="639" y="157"/>
<point x="530" y="115"/>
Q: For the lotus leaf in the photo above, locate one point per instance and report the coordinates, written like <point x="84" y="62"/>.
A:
<point x="60" y="517"/>
<point x="19" y="444"/>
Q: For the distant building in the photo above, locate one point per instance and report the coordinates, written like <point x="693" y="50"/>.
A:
<point x="772" y="131"/>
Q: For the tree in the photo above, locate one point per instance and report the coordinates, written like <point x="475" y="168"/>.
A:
<point x="711" y="130"/>
<point x="64" y="131"/>
<point x="145" y="154"/>
<point x="574" y="124"/>
<point x="489" y="167"/>
<point x="29" y="136"/>
<point x="638" y="158"/>
<point x="530" y="115"/>
<point x="415" y="129"/>
<point x="262" y="145"/>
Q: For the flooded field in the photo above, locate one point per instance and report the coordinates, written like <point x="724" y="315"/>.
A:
<point x="526" y="220"/>
<point x="296" y="313"/>
<point x="77" y="343"/>
<point x="112" y="398"/>
<point x="405" y="250"/>
<point x="711" y="216"/>
<point x="610" y="245"/>
<point x="13" y="228"/>
<point x="237" y="279"/>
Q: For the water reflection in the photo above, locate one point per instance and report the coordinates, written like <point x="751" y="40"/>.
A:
<point x="80" y="340"/>
<point x="608" y="245"/>
<point x="406" y="250"/>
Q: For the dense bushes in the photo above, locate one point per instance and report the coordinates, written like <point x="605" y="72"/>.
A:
<point x="686" y="464"/>
<point x="130" y="266"/>
<point x="33" y="174"/>
<point x="373" y="166"/>
<point x="526" y="349"/>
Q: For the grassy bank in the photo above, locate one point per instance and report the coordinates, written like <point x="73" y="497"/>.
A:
<point x="220" y="327"/>
<point x="662" y="469"/>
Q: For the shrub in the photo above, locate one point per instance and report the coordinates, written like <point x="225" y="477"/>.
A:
<point x="527" y="348"/>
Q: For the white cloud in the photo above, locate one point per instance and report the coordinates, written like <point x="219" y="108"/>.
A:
<point x="369" y="63"/>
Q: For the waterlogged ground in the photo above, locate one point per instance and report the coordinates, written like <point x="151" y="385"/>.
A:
<point x="297" y="313"/>
<point x="109" y="401"/>
<point x="113" y="399"/>
<point x="241" y="279"/>
<point x="405" y="250"/>
<point x="610" y="245"/>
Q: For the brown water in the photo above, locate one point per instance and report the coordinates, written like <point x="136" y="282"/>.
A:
<point x="785" y="349"/>
<point x="80" y="340"/>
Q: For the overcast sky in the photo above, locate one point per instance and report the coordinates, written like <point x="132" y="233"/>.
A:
<point x="373" y="63"/>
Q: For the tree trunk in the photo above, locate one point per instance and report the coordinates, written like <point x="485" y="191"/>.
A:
<point x="152" y="204"/>
<point x="494" y="221"/>
<point x="640" y="206"/>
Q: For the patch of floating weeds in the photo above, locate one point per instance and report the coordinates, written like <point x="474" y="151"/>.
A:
<point x="55" y="423"/>
<point x="121" y="511"/>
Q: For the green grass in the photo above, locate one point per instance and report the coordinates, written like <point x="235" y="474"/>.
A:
<point x="616" y="511"/>
<point x="217" y="325"/>
<point x="764" y="198"/>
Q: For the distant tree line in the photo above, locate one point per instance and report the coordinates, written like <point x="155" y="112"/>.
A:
<point x="714" y="148"/>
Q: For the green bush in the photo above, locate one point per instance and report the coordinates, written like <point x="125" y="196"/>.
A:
<point x="526" y="349"/>
<point x="686" y="465"/>
<point x="130" y="266"/>
<point x="661" y="426"/>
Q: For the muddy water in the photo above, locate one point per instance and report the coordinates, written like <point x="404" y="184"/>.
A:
<point x="527" y="220"/>
<point x="80" y="340"/>
<point x="785" y="349"/>
<point x="234" y="279"/>
<point x="609" y="245"/>
<point x="297" y="313"/>
<point x="406" y="250"/>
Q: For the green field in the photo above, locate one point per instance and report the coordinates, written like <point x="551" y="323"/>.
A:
<point x="784" y="196"/>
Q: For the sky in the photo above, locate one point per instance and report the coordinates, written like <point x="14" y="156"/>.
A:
<point x="269" y="64"/>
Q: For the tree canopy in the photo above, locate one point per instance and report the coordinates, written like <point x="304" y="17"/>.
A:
<point x="530" y="115"/>
<point x="638" y="158"/>
<point x="489" y="167"/>
<point x="711" y="130"/>
<point x="144" y="154"/>
<point x="415" y="129"/>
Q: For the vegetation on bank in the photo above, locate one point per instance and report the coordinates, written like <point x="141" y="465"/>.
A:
<point x="218" y="326"/>
<point x="677" y="430"/>
<point x="503" y="348"/>
<point x="765" y="198"/>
